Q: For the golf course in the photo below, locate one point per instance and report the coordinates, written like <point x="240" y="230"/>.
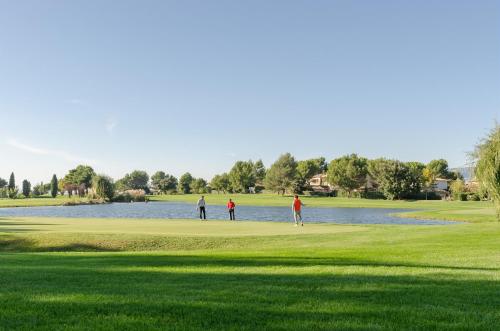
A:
<point x="183" y="274"/>
<point x="272" y="165"/>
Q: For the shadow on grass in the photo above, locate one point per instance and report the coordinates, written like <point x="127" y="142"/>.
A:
<point x="269" y="261"/>
<point x="8" y="225"/>
<point x="16" y="230"/>
<point x="13" y="244"/>
<point x="159" y="261"/>
<point x="194" y="293"/>
<point x="2" y="224"/>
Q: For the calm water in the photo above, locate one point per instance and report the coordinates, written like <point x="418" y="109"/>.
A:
<point x="186" y="210"/>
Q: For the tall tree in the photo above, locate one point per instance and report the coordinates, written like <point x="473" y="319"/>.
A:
<point x="242" y="176"/>
<point x="156" y="179"/>
<point x="79" y="178"/>
<point x="428" y="180"/>
<point x="54" y="186"/>
<point x="138" y="179"/>
<point x="170" y="183"/>
<point x="104" y="187"/>
<point x="393" y="177"/>
<point x="348" y="172"/>
<point x="37" y="190"/>
<point x="26" y="188"/>
<point x="281" y="175"/>
<point x="12" y="182"/>
<point x="163" y="182"/>
<point x="185" y="183"/>
<point x="198" y="186"/>
<point x="46" y="188"/>
<point x="120" y="185"/>
<point x="221" y="183"/>
<point x="487" y="155"/>
<point x="321" y="164"/>
<point x="11" y="187"/>
<point x="439" y="168"/>
<point x="259" y="171"/>
<point x="416" y="177"/>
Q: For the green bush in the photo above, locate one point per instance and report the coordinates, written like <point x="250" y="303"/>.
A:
<point x="259" y="188"/>
<point x="423" y="196"/>
<point x="457" y="188"/>
<point x="318" y="194"/>
<point x="473" y="197"/>
<point x="104" y="187"/>
<point x="460" y="196"/>
<point x="122" y="197"/>
<point x="130" y="196"/>
<point x="373" y="195"/>
<point x="12" y="193"/>
<point x="346" y="194"/>
<point x="93" y="196"/>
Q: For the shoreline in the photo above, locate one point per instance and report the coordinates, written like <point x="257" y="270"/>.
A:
<point x="454" y="211"/>
<point x="51" y="204"/>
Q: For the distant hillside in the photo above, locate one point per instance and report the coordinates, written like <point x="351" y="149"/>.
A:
<point x="467" y="172"/>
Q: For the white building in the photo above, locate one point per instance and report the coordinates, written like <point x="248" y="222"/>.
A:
<point x="441" y="184"/>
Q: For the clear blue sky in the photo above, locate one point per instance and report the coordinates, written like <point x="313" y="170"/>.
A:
<point x="195" y="85"/>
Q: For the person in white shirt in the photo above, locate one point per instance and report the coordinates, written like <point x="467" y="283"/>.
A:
<point x="201" y="208"/>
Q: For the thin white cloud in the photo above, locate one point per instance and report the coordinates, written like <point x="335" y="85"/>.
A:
<point x="110" y="125"/>
<point x="43" y="151"/>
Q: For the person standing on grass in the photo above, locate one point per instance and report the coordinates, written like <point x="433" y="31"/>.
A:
<point x="201" y="208"/>
<point x="230" y="208"/>
<point x="297" y="207"/>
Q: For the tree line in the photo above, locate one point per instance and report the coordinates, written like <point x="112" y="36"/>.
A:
<point x="10" y="190"/>
<point x="349" y="175"/>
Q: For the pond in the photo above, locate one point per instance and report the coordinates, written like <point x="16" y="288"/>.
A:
<point x="254" y="213"/>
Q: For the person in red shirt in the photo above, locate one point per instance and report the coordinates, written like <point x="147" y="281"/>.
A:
<point x="230" y="207"/>
<point x="296" y="207"/>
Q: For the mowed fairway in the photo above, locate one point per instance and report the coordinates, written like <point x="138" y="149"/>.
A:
<point x="98" y="274"/>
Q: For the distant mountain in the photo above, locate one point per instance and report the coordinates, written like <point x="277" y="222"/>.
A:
<point x="466" y="172"/>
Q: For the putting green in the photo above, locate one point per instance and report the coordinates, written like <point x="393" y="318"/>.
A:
<point x="163" y="227"/>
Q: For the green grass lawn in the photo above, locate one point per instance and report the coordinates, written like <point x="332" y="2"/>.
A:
<point x="42" y="201"/>
<point x="98" y="274"/>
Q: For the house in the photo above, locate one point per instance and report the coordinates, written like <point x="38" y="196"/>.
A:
<point x="472" y="186"/>
<point x="441" y="188"/>
<point x="319" y="180"/>
<point x="319" y="183"/>
<point x="441" y="184"/>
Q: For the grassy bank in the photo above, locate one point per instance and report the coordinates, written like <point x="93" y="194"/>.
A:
<point x="45" y="201"/>
<point x="188" y="275"/>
